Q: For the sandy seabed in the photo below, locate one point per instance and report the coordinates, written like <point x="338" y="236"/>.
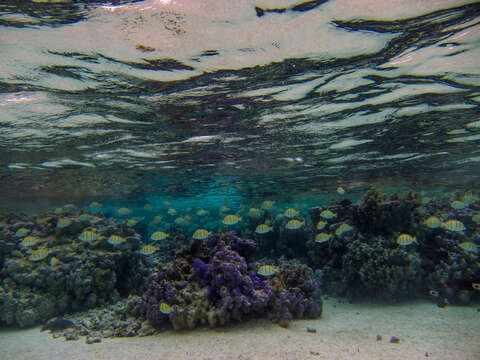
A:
<point x="345" y="331"/>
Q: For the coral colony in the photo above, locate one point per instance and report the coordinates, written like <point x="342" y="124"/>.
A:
<point x="85" y="273"/>
<point x="211" y="284"/>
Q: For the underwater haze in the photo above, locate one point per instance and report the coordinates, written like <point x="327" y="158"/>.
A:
<point x="197" y="163"/>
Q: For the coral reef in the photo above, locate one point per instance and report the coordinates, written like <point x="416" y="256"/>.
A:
<point x="367" y="262"/>
<point x="377" y="214"/>
<point x="380" y="215"/>
<point x="212" y="283"/>
<point x="46" y="270"/>
<point x="387" y="247"/>
<point x="373" y="267"/>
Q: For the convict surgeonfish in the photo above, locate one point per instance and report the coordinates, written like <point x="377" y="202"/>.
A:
<point x="279" y="217"/>
<point x="268" y="205"/>
<point x="476" y="218"/>
<point x="62" y="223"/>
<point x="158" y="236"/>
<point x="37" y="255"/>
<point x="231" y="219"/>
<point x="263" y="229"/>
<point x="201" y="234"/>
<point x="433" y="222"/>
<point x="165" y="309"/>
<point x="223" y="209"/>
<point x="328" y="214"/>
<point x="406" y="239"/>
<point x="95" y="205"/>
<point x="30" y="241"/>
<point x="157" y="219"/>
<point x="454" y="225"/>
<point x="22" y="232"/>
<point x="123" y="211"/>
<point x="181" y="220"/>
<point x="69" y="208"/>
<point x="201" y="212"/>
<point x="116" y="240"/>
<point x="294" y="224"/>
<point x="291" y="213"/>
<point x="322" y="237"/>
<point x="342" y="229"/>
<point x="254" y="213"/>
<point x="267" y="270"/>
<point x="148" y="250"/>
<point x="132" y="222"/>
<point x="458" y="205"/>
<point x="469" y="246"/>
<point x="88" y="236"/>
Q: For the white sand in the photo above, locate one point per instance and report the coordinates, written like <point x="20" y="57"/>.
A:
<point x="345" y="332"/>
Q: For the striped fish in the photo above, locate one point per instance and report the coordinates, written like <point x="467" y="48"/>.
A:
<point x="454" y="225"/>
<point x="405" y="239"/>
<point x="88" y="236"/>
<point x="165" y="309"/>
<point x="267" y="270"/>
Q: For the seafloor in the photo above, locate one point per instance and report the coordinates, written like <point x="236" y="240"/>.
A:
<point x="345" y="331"/>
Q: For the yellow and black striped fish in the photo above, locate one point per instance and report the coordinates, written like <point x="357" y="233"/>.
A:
<point x="88" y="236"/>
<point x="267" y="270"/>
<point x="165" y="308"/>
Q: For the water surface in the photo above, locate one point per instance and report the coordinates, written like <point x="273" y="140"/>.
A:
<point x="181" y="98"/>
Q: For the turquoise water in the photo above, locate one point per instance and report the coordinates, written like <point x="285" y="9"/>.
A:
<point x="185" y="112"/>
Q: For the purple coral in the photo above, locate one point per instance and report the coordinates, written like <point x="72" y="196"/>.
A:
<point x="210" y="284"/>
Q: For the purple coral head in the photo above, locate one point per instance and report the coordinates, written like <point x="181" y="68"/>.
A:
<point x="203" y="272"/>
<point x="232" y="292"/>
<point x="212" y="240"/>
<point x="198" y="268"/>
